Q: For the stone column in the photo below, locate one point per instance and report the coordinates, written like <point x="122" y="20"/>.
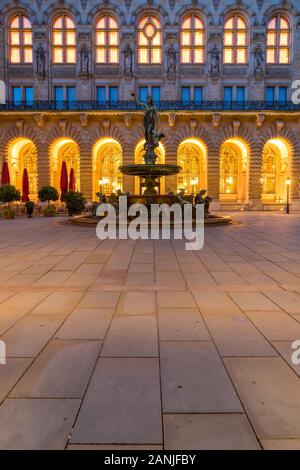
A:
<point x="86" y="169"/>
<point x="41" y="65"/>
<point x="43" y="165"/>
<point x="127" y="67"/>
<point x="295" y="178"/>
<point x="255" y="172"/>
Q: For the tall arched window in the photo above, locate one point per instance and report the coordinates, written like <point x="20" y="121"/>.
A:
<point x="20" y="40"/>
<point x="235" y="40"/>
<point x="192" y="40"/>
<point x="278" y="40"/>
<point x="149" y="40"/>
<point x="63" y="40"/>
<point x="107" y="40"/>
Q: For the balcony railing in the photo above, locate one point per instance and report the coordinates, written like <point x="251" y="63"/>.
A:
<point x="214" y="106"/>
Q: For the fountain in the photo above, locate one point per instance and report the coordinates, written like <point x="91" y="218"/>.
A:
<point x="149" y="173"/>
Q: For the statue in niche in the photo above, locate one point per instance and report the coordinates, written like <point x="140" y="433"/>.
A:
<point x="215" y="62"/>
<point x="127" y="51"/>
<point x="41" y="62"/>
<point x="84" y="61"/>
<point x="171" y="62"/>
<point x="259" y="62"/>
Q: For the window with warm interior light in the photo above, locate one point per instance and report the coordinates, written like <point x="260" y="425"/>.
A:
<point x="20" y="40"/>
<point x="278" y="40"/>
<point x="149" y="40"/>
<point x="107" y="40"/>
<point x="235" y="40"/>
<point x="63" y="40"/>
<point x="192" y="40"/>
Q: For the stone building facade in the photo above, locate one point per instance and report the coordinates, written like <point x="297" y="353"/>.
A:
<point x="220" y="71"/>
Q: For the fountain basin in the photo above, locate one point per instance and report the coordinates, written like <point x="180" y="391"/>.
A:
<point x="145" y="170"/>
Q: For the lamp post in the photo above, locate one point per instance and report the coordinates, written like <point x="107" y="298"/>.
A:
<point x="288" y="183"/>
<point x="194" y="182"/>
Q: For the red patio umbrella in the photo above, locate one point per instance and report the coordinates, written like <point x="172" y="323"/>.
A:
<point x="25" y="186"/>
<point x="72" y="180"/>
<point x="5" y="179"/>
<point x="63" y="180"/>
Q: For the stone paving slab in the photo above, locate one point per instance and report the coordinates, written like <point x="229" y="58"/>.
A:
<point x="181" y="324"/>
<point x="62" y="370"/>
<point x="58" y="303"/>
<point x="122" y="404"/>
<point x="280" y="444"/>
<point x="235" y="335"/>
<point x="36" y="424"/>
<point x="86" y="324"/>
<point x="29" y="336"/>
<point x="195" y="380"/>
<point x="209" y="432"/>
<point x="137" y="303"/>
<point x="270" y="393"/>
<point x="131" y="336"/>
<point x="11" y="373"/>
<point x="276" y="325"/>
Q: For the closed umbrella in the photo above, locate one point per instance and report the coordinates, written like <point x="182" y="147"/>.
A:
<point x="72" y="180"/>
<point x="5" y="179"/>
<point x="25" y="186"/>
<point x="63" y="180"/>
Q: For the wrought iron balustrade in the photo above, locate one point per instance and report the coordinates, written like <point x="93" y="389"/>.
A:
<point x="214" y="106"/>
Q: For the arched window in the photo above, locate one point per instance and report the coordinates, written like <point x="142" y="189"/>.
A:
<point x="235" y="40"/>
<point x="20" y="40"/>
<point x="63" y="40"/>
<point x="149" y="40"/>
<point x="192" y="40"/>
<point x="278" y="40"/>
<point x="107" y="40"/>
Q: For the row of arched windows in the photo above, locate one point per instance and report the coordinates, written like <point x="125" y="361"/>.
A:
<point x="192" y="40"/>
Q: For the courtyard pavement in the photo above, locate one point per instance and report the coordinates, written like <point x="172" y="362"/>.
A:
<point x="143" y="345"/>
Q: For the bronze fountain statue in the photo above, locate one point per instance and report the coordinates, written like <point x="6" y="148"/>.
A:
<point x="150" y="171"/>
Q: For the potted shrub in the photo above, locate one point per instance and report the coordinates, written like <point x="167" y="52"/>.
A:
<point x="47" y="194"/>
<point x="49" y="211"/>
<point x="8" y="213"/>
<point x="75" y="202"/>
<point x="29" y="208"/>
<point x="8" y="194"/>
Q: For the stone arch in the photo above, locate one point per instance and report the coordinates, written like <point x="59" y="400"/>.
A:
<point x="112" y="132"/>
<point x="245" y="11"/>
<point x="188" y="132"/>
<point x="22" y="155"/>
<point x="241" y="132"/>
<point x="109" y="8"/>
<point x="192" y="157"/>
<point x="287" y="10"/>
<point x="9" y="10"/>
<point x="64" y="149"/>
<point x="200" y="10"/>
<point x="288" y="136"/>
<point x="276" y="169"/>
<point x="234" y="170"/>
<point x="107" y="156"/>
<point x="25" y="131"/>
<point x="59" y="8"/>
<point x="156" y="10"/>
<point x="64" y="129"/>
